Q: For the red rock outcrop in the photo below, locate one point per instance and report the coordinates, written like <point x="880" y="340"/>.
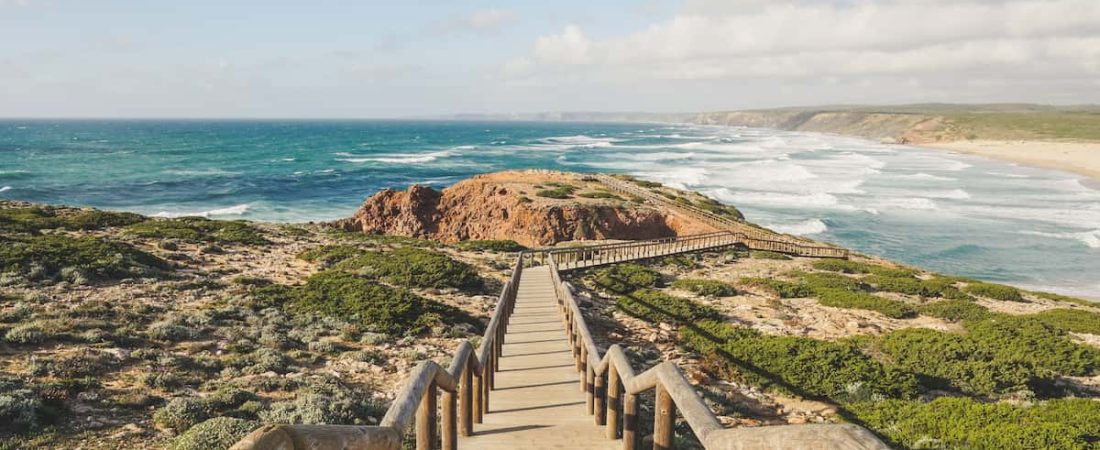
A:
<point x="496" y="206"/>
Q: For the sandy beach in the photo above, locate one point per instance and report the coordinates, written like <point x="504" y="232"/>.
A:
<point x="1077" y="157"/>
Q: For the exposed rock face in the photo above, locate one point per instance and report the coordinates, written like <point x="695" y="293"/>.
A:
<point x="488" y="207"/>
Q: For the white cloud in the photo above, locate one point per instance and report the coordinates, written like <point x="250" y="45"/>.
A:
<point x="712" y="40"/>
<point x="484" y="21"/>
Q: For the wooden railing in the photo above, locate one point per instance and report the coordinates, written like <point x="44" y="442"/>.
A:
<point x="612" y="388"/>
<point x="465" y="385"/>
<point x="767" y="240"/>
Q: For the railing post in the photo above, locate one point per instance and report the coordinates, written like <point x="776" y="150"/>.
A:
<point x="450" y="422"/>
<point x="590" y="389"/>
<point x="630" y="421"/>
<point x="425" y="420"/>
<point x="582" y="366"/>
<point x="612" y="402"/>
<point x="486" y="387"/>
<point x="664" y="417"/>
<point x="599" y="396"/>
<point x="465" y="398"/>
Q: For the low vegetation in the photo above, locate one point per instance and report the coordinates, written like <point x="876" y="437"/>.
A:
<point x="849" y="266"/>
<point x="709" y="288"/>
<point x="954" y="310"/>
<point x="760" y="254"/>
<point x="600" y="194"/>
<point x="557" y="191"/>
<point x="994" y="291"/>
<point x="627" y="278"/>
<point x="778" y="288"/>
<point x="412" y="267"/>
<point x="33" y="219"/>
<point x="1072" y="320"/>
<point x="79" y="260"/>
<point x="198" y="229"/>
<point x="502" y="246"/>
<point x="655" y="307"/>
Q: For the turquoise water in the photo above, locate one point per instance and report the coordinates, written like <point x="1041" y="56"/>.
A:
<point x="946" y="212"/>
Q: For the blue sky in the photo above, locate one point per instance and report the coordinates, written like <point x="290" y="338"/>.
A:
<point x="329" y="58"/>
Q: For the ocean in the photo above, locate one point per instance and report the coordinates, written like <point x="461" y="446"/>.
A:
<point x="951" y="213"/>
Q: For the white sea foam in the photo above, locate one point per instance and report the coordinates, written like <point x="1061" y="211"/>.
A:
<point x="680" y="177"/>
<point x="954" y="194"/>
<point x="955" y="166"/>
<point x="201" y="173"/>
<point x="921" y="176"/>
<point x="1089" y="238"/>
<point x="235" y="210"/>
<point x="916" y="203"/>
<point x="804" y="228"/>
<point x="1009" y="175"/>
<point x="5" y="189"/>
<point x="579" y="140"/>
<point x="657" y="156"/>
<point x="815" y="200"/>
<point x="401" y="158"/>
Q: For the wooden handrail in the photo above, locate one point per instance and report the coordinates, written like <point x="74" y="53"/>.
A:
<point x="611" y="388"/>
<point x="753" y="235"/>
<point x="465" y="387"/>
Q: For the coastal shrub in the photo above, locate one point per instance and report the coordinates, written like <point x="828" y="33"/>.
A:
<point x="1073" y="320"/>
<point x="600" y="194"/>
<point x="26" y="334"/>
<point x="954" y="310"/>
<point x="33" y="219"/>
<point x="760" y="254"/>
<point x="710" y="288"/>
<point x="79" y="259"/>
<point x="779" y="288"/>
<point x="655" y="306"/>
<point x="331" y="254"/>
<point x="85" y="362"/>
<point x="558" y="191"/>
<point x="994" y="291"/>
<point x="953" y="361"/>
<point x="953" y="422"/>
<point x="501" y="246"/>
<point x="817" y="281"/>
<point x="381" y="308"/>
<point x="218" y="433"/>
<point x="327" y="402"/>
<point x="198" y="229"/>
<point x="715" y="207"/>
<point x="906" y="285"/>
<point x="182" y="413"/>
<point x="1029" y="341"/>
<point x="843" y="298"/>
<point x="414" y="267"/>
<point x="625" y="278"/>
<point x="849" y="266"/>
<point x="1064" y="298"/>
<point x="646" y="184"/>
<point x="798" y="365"/>
<point x="21" y="409"/>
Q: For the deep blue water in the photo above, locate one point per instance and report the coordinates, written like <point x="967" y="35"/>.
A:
<point x="947" y="212"/>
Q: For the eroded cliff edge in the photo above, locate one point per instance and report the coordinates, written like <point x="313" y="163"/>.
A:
<point x="533" y="208"/>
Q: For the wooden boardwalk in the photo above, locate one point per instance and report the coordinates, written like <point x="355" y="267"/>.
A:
<point x="538" y="402"/>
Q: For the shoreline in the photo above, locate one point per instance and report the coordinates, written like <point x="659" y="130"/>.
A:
<point x="1080" y="158"/>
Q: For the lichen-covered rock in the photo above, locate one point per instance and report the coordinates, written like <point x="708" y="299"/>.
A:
<point x="218" y="433"/>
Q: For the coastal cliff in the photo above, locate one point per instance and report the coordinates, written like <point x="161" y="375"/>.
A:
<point x="532" y="208"/>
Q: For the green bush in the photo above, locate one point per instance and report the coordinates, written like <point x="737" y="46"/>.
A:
<point x="710" y="288"/>
<point x="349" y="296"/>
<point x="218" y="433"/>
<point x="646" y="184"/>
<point x="331" y="254"/>
<point x="1074" y="320"/>
<point x="759" y="254"/>
<point x="817" y="281"/>
<point x="782" y="289"/>
<point x="599" y="194"/>
<point x="327" y="403"/>
<point x="954" y="310"/>
<point x="1064" y="298"/>
<point x="994" y="291"/>
<point x="626" y="278"/>
<point x="79" y="260"/>
<point x="964" y="423"/>
<point x="714" y="207"/>
<point x="849" y="266"/>
<point x="33" y="219"/>
<point x="842" y="298"/>
<point x="1029" y="341"/>
<point x="414" y="267"/>
<point x="503" y="246"/>
<point x="655" y="307"/>
<point x="559" y="191"/>
<point x="799" y="365"/>
<point x="21" y="409"/>
<point x="198" y="229"/>
<point x="182" y="413"/>
<point x="953" y="361"/>
<point x="26" y="334"/>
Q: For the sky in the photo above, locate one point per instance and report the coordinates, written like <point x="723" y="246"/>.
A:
<point x="371" y="59"/>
